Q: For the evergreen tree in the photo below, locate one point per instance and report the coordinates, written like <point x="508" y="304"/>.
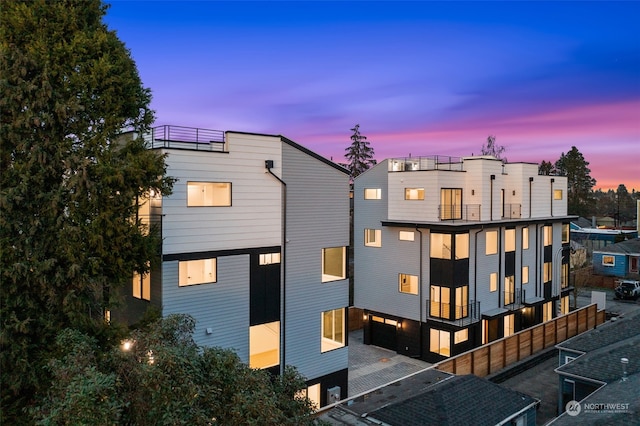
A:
<point x="491" y="148"/>
<point x="359" y="153"/>
<point x="67" y="189"/>
<point x="580" y="197"/>
<point x="546" y="168"/>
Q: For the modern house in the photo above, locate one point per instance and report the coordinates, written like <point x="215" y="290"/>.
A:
<point x="618" y="260"/>
<point x="452" y="253"/>
<point x="255" y="238"/>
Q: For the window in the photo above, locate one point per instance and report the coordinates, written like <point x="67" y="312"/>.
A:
<point x="547" y="311"/>
<point x="333" y="264"/>
<point x="208" y="194"/>
<point x="440" y="342"/>
<point x="608" y="260"/>
<point x="406" y="236"/>
<point x="462" y="246"/>
<point x="372" y="193"/>
<point x="565" y="233"/>
<point x="332" y="330"/>
<point x="525" y="275"/>
<point x="548" y="272"/>
<point x="509" y="289"/>
<point x="493" y="281"/>
<point x="548" y="235"/>
<point x="557" y="194"/>
<point x="564" y="275"/>
<point x="450" y="203"/>
<point x="440" y="302"/>
<point x="440" y="246"/>
<point x="269" y="258"/>
<point x="508" y="325"/>
<point x="414" y="193"/>
<point x="264" y="345"/>
<point x="313" y="393"/>
<point x="373" y="237"/>
<point x="461" y="336"/>
<point x="408" y="283"/>
<point x="197" y="271"/>
<point x="142" y="286"/>
<point x="462" y="302"/>
<point x="491" y="243"/>
<point x="564" y="305"/>
<point x="525" y="238"/>
<point x="509" y="240"/>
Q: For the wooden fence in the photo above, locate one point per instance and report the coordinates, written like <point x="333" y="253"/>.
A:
<point x="499" y="354"/>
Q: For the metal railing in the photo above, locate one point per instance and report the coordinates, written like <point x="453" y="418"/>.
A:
<point x="179" y="137"/>
<point x="462" y="314"/>
<point x="514" y="300"/>
<point x="466" y="212"/>
<point x="512" y="211"/>
<point x="434" y="162"/>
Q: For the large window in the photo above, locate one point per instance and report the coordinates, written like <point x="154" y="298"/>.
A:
<point x="440" y="302"/>
<point x="509" y="321"/>
<point x="461" y="336"/>
<point x="462" y="246"/>
<point x="525" y="238"/>
<point x="509" y="240"/>
<point x="142" y="286"/>
<point x="440" y="342"/>
<point x="509" y="289"/>
<point x="564" y="305"/>
<point x="491" y="245"/>
<point x="208" y="194"/>
<point x="372" y="193"/>
<point x="264" y="345"/>
<point x="525" y="275"/>
<point x="373" y="237"/>
<point x="406" y="236"/>
<point x="564" y="275"/>
<point x="547" y="272"/>
<point x="334" y="264"/>
<point x="440" y="246"/>
<point x="565" y="233"/>
<point x="462" y="302"/>
<point x="450" y="203"/>
<point x="197" y="271"/>
<point x="332" y="330"/>
<point x="408" y="283"/>
<point x="414" y="193"/>
<point x="547" y="311"/>
<point x="493" y="281"/>
<point x="548" y="235"/>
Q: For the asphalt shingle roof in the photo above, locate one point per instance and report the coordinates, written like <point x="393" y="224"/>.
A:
<point x="607" y="334"/>
<point x="631" y="246"/>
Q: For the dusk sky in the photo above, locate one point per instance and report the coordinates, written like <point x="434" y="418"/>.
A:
<point x="420" y="77"/>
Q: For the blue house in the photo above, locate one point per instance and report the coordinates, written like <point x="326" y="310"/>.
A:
<point x="618" y="260"/>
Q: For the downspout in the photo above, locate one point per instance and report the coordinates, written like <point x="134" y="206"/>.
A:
<point x="551" y="195"/>
<point x="268" y="164"/>
<point x="475" y="265"/>
<point x="493" y="177"/>
<point x="530" y="184"/>
<point x="500" y="272"/>
<point x="421" y="294"/>
<point x="538" y="266"/>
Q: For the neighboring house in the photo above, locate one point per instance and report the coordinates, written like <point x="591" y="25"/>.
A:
<point x="453" y="253"/>
<point x="597" y="239"/>
<point x="440" y="399"/>
<point x="592" y="362"/>
<point x="255" y="238"/>
<point x="617" y="260"/>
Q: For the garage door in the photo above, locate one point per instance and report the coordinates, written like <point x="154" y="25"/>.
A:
<point x="383" y="332"/>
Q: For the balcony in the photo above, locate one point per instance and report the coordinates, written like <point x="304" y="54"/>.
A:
<point x="192" y="138"/>
<point x="463" y="315"/>
<point x="512" y="211"/>
<point x="435" y="162"/>
<point x="514" y="300"/>
<point x="464" y="212"/>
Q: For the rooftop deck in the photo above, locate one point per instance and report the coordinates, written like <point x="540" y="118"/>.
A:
<point x="434" y="162"/>
<point x="192" y="138"/>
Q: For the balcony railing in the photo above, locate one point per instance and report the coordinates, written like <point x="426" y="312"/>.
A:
<point x="179" y="137"/>
<point x="435" y="162"/>
<point x="466" y="212"/>
<point x="514" y="300"/>
<point x="512" y="211"/>
<point x="460" y="315"/>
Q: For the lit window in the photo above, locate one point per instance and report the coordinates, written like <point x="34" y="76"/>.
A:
<point x="197" y="271"/>
<point x="372" y="193"/>
<point x="334" y="264"/>
<point x="547" y="272"/>
<point x="408" y="283"/>
<point x="564" y="275"/>
<point x="142" y="286"/>
<point x="608" y="260"/>
<point x="450" y="203"/>
<point x="565" y="233"/>
<point x="462" y="302"/>
<point x="525" y="238"/>
<point x="414" y="193"/>
<point x="547" y="311"/>
<point x="491" y="243"/>
<point x="373" y="237"/>
<point x="564" y="305"/>
<point x="332" y="330"/>
<point x="548" y="235"/>
<point x="508" y="325"/>
<point x="208" y="194"/>
<point x="462" y="246"/>
<point x="440" y="342"/>
<point x="264" y="345"/>
<point x="525" y="274"/>
<point x="557" y="194"/>
<point x="312" y="393"/>
<point x="461" y="336"/>
<point x="509" y="289"/>
<point x="493" y="281"/>
<point x="509" y="240"/>
<point x="440" y="246"/>
<point x="269" y="258"/>
<point x="440" y="302"/>
<point x="406" y="236"/>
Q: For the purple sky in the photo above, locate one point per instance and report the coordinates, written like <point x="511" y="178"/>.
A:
<point x="421" y="78"/>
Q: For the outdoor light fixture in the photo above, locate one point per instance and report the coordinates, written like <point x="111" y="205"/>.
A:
<point x="126" y="345"/>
